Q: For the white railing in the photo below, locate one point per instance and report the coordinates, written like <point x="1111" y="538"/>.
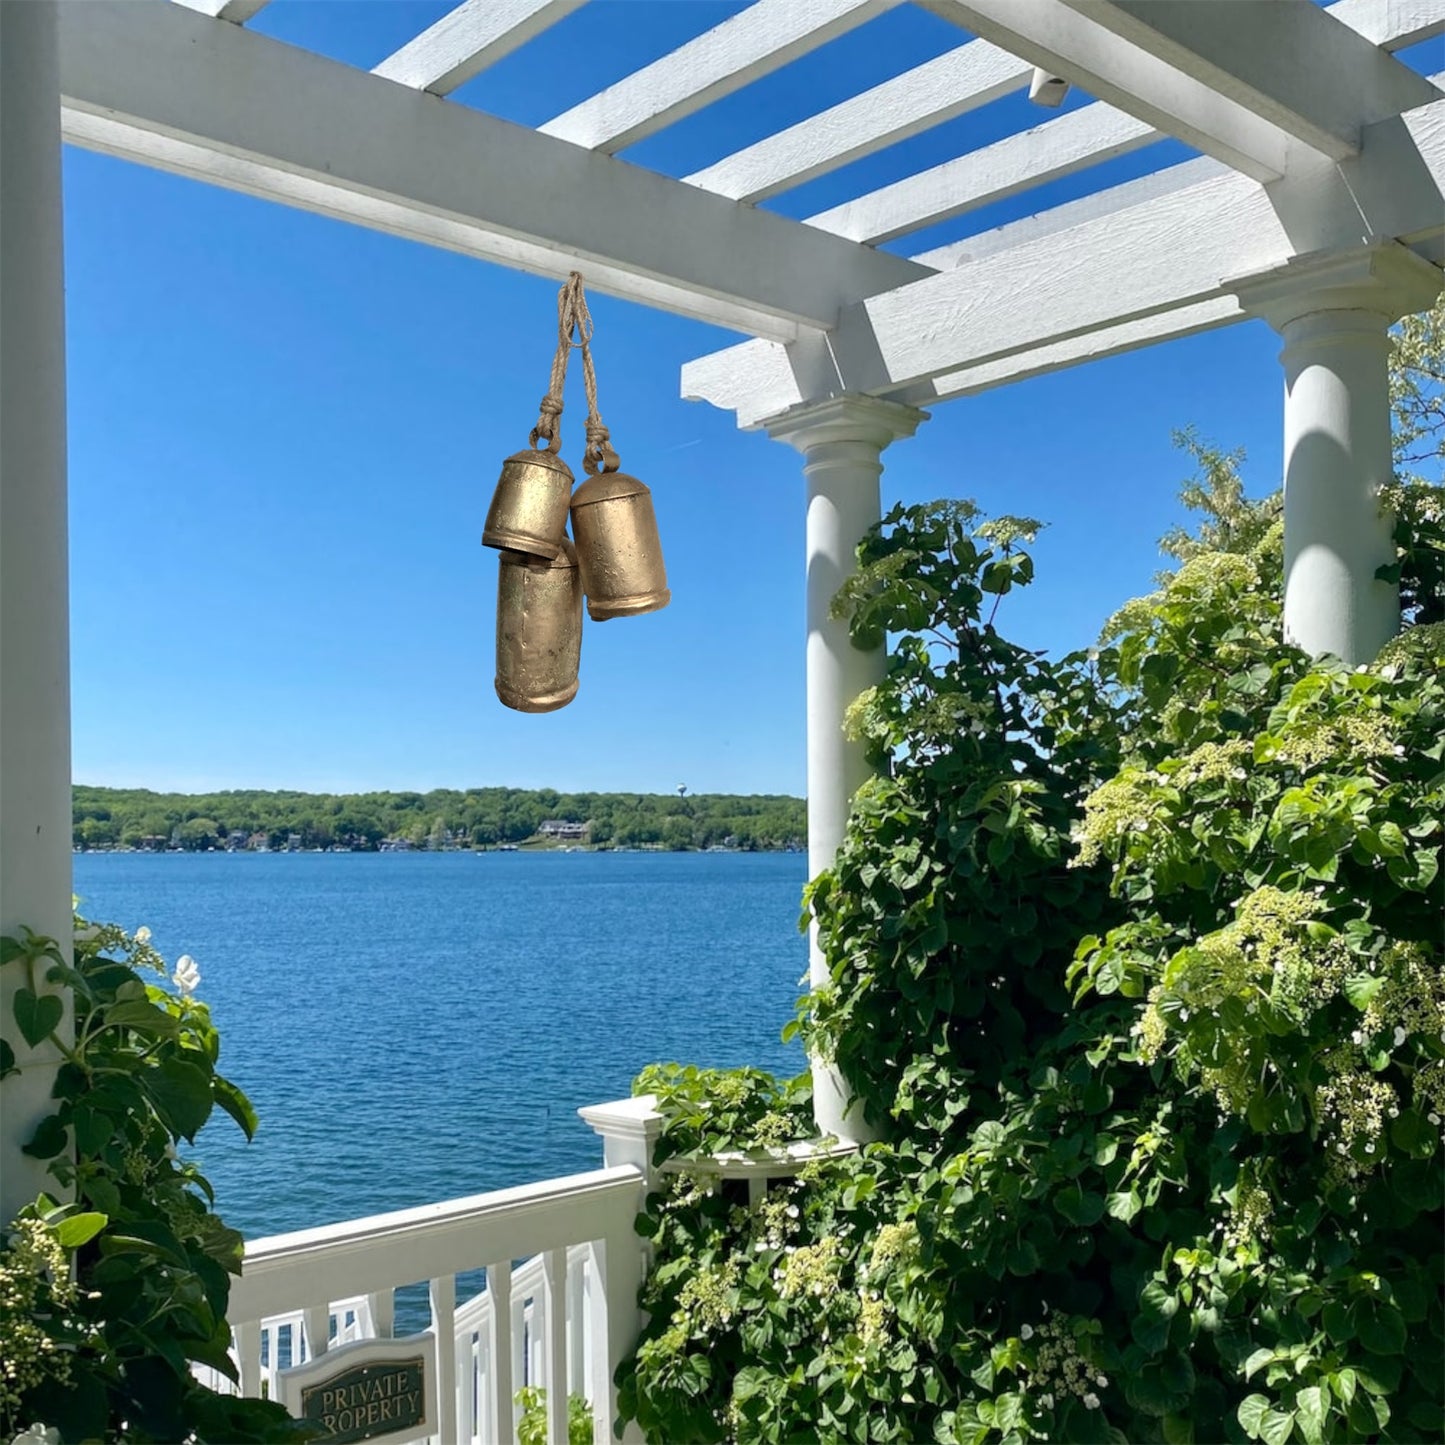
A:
<point x="562" y="1319"/>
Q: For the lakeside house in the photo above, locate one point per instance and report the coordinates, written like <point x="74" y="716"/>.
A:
<point x="560" y="830"/>
<point x="1314" y="203"/>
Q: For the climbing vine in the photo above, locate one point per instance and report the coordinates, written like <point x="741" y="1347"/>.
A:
<point x="1135" y="964"/>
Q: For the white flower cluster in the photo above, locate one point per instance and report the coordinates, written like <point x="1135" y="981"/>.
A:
<point x="1058" y="1369"/>
<point x="811" y="1270"/>
<point x="34" y="1279"/>
<point x="709" y="1298"/>
<point x="1359" y="1104"/>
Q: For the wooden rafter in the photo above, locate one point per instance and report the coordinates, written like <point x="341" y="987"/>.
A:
<point x="160" y="85"/>
<point x="755" y="42"/>
<point x="465" y="41"/>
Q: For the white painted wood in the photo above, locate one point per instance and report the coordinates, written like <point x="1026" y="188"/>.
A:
<point x="442" y="1293"/>
<point x="842" y="441"/>
<point x="930" y="94"/>
<point x="1287" y="62"/>
<point x="1393" y="24"/>
<point x="754" y="43"/>
<point x="1049" y="34"/>
<point x="1161" y="245"/>
<point x="576" y="1322"/>
<point x="316" y="1329"/>
<point x="160" y="85"/>
<point x="381" y="1306"/>
<point x="238" y="12"/>
<point x="1057" y="148"/>
<point x="35" y="872"/>
<point x="465" y="41"/>
<point x="1333" y="313"/>
<point x="248" y="1353"/>
<point x="555" y="1373"/>
<point x="518" y="1337"/>
<point x="500" y="1421"/>
<point x="388" y="1250"/>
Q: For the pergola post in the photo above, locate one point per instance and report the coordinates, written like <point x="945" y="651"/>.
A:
<point x="35" y="874"/>
<point x="842" y="441"/>
<point x="1334" y="314"/>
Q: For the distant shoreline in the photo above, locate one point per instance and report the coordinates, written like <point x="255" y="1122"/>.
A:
<point x="138" y="820"/>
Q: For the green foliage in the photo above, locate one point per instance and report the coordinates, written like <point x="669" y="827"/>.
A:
<point x="150" y="1258"/>
<point x="476" y="818"/>
<point x="1136" y="966"/>
<point x="532" y="1426"/>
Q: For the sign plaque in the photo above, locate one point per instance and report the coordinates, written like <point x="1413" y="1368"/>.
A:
<point x="374" y="1390"/>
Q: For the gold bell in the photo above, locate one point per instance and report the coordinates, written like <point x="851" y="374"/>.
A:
<point x="529" y="507"/>
<point x="539" y="629"/>
<point x="618" y="549"/>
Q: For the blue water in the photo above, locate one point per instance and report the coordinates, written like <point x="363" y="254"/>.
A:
<point x="415" y="1027"/>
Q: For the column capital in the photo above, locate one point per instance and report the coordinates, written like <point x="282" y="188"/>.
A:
<point x="1384" y="279"/>
<point x="847" y="418"/>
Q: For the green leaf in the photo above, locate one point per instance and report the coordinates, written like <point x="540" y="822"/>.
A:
<point x="36" y="1016"/>
<point x="182" y="1095"/>
<point x="1251" y="1413"/>
<point x="80" y="1229"/>
<point x="1309" y="1414"/>
<point x="236" y="1104"/>
<point x="1276" y="1427"/>
<point x="1381" y="1327"/>
<point x="1125" y="1205"/>
<point x="1079" y="1207"/>
<point x="7" y="1058"/>
<point x="48" y="1140"/>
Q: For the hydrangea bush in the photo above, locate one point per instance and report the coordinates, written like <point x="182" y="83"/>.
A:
<point x="1136" y="966"/>
<point x="108" y="1300"/>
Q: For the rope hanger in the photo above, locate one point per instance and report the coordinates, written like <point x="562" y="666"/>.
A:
<point x="573" y="317"/>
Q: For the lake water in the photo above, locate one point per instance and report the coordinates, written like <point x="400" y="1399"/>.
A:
<point x="415" y="1027"/>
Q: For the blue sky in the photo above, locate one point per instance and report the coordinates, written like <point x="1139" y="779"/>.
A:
<point x="284" y="434"/>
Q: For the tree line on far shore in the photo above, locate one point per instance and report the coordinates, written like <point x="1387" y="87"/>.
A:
<point x="105" y="818"/>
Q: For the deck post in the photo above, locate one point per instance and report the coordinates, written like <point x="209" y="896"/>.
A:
<point x="35" y="864"/>
<point x="842" y="441"/>
<point x="1334" y="314"/>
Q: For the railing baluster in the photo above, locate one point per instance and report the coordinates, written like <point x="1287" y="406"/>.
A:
<point x="248" y="1347"/>
<point x="317" y="1325"/>
<point x="443" y="1321"/>
<point x="577" y="1321"/>
<point x="616" y="1278"/>
<point x="519" y="1338"/>
<point x="499" y="1286"/>
<point x="383" y="1313"/>
<point x="554" y="1371"/>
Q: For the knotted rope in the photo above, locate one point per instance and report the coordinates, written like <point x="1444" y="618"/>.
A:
<point x="574" y="317"/>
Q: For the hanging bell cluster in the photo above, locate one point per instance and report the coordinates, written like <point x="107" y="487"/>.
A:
<point x="613" y="557"/>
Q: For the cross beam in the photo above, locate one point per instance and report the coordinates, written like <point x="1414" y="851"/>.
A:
<point x="159" y="84"/>
<point x="1142" y="263"/>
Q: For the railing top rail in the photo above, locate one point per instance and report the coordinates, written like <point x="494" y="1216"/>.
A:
<point x="382" y="1251"/>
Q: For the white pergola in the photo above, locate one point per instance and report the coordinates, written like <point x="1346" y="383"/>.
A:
<point x="1315" y="202"/>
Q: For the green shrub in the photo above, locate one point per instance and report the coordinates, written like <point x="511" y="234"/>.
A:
<point x="1135" y="962"/>
<point x="109" y="1357"/>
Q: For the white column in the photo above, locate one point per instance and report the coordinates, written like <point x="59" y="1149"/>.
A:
<point x="34" y="627"/>
<point x="1334" y="315"/>
<point x="842" y="441"/>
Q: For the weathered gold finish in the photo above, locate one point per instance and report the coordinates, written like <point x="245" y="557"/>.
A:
<point x="529" y="507"/>
<point x="539" y="629"/>
<point x="618" y="549"/>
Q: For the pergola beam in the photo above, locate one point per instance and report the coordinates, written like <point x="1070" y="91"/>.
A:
<point x="759" y="40"/>
<point x="238" y="12"/>
<point x="465" y="41"/>
<point x="930" y="94"/>
<point x="1179" y="101"/>
<point x="1155" y="266"/>
<point x="1287" y="62"/>
<point x="157" y="84"/>
<point x="1085" y="137"/>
